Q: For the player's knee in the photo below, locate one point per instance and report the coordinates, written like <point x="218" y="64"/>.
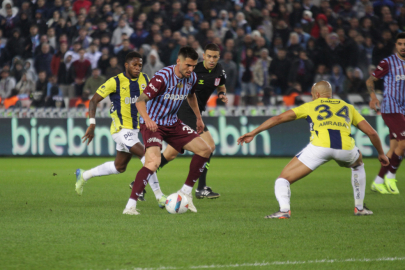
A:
<point x="121" y="168"/>
<point x="153" y="164"/>
<point x="206" y="151"/>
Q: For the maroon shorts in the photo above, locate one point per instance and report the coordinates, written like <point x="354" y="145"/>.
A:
<point x="177" y="135"/>
<point x="396" y="124"/>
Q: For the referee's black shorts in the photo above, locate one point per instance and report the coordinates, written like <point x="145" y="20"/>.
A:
<point x="188" y="117"/>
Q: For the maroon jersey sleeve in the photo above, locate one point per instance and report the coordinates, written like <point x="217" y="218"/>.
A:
<point x="192" y="91"/>
<point x="155" y="87"/>
<point x="381" y="70"/>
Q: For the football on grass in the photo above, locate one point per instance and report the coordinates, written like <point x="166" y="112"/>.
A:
<point x="176" y="204"/>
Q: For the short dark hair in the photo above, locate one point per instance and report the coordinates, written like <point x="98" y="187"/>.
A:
<point x="132" y="55"/>
<point x="188" y="52"/>
<point x="211" y="47"/>
<point x="400" y="36"/>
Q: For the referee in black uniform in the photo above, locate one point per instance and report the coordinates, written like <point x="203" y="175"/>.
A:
<point x="210" y="77"/>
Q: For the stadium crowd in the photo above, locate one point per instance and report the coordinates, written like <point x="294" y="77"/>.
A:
<point x="51" y="50"/>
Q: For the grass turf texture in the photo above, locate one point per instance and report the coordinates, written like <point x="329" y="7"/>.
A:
<point x="46" y="225"/>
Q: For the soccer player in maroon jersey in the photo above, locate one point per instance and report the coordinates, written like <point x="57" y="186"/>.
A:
<point x="158" y="106"/>
<point x="392" y="71"/>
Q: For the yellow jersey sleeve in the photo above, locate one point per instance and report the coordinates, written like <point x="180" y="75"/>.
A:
<point x="357" y="117"/>
<point x="301" y="111"/>
<point x="107" y="88"/>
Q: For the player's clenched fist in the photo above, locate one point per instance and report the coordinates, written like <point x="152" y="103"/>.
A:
<point x="200" y="126"/>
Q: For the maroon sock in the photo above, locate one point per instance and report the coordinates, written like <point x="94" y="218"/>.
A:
<point x="394" y="163"/>
<point x="383" y="171"/>
<point x="197" y="166"/>
<point x="141" y="181"/>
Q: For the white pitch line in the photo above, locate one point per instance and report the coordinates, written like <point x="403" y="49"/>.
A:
<point x="275" y="263"/>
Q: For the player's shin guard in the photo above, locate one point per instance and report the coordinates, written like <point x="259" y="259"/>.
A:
<point x="141" y="181"/>
<point x="103" y="169"/>
<point x="197" y="166"/>
<point x="202" y="181"/>
<point x="359" y="185"/>
<point x="283" y="193"/>
<point x="395" y="161"/>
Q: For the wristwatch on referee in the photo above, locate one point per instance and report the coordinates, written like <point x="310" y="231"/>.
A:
<point x="221" y="93"/>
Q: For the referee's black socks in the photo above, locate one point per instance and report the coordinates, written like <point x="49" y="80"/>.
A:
<point x="202" y="182"/>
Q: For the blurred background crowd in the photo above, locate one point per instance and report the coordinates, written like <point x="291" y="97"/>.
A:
<point x="56" y="53"/>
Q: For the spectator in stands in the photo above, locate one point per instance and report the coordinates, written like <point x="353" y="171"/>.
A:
<point x="12" y="101"/>
<point x="93" y="55"/>
<point x="7" y="83"/>
<point x="44" y="59"/>
<point x="101" y="30"/>
<point x="302" y="36"/>
<point x="249" y="89"/>
<point x="80" y="71"/>
<point x="292" y="96"/>
<point x="139" y="35"/>
<point x="337" y="79"/>
<point x="105" y="43"/>
<point x="176" y="17"/>
<point x="279" y="70"/>
<point x="83" y="38"/>
<point x="40" y="21"/>
<point x="78" y="4"/>
<point x="153" y="64"/>
<point x="383" y="48"/>
<point x="51" y="37"/>
<point x="188" y="28"/>
<point x="126" y="48"/>
<point x="321" y="20"/>
<point x="154" y="31"/>
<point x="122" y="28"/>
<point x="294" y="47"/>
<point x="94" y="81"/>
<point x="55" y="100"/>
<point x="282" y="31"/>
<point x="104" y="61"/>
<point x="155" y="12"/>
<point x="307" y="21"/>
<point x="43" y="40"/>
<point x="26" y="85"/>
<point x="39" y="95"/>
<point x="52" y="82"/>
<point x="113" y="69"/>
<point x="231" y="74"/>
<point x="302" y="71"/>
<point x="261" y="70"/>
<point x="242" y="23"/>
<point x="83" y="101"/>
<point x="17" y="69"/>
<point x="15" y="45"/>
<point x="321" y="74"/>
<point x="355" y="83"/>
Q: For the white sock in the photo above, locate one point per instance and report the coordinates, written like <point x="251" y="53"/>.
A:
<point x="131" y="203"/>
<point x="390" y="175"/>
<point x="104" y="169"/>
<point x="283" y="194"/>
<point x="379" y="180"/>
<point x="154" y="184"/>
<point x="359" y="185"/>
<point x="186" y="189"/>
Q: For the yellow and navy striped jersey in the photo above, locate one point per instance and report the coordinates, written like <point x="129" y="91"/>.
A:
<point x="330" y="122"/>
<point x="123" y="93"/>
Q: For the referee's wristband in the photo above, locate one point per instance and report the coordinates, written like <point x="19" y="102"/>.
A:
<point x="92" y="121"/>
<point x="221" y="93"/>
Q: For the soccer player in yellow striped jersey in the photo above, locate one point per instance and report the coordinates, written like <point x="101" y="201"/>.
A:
<point x="330" y="123"/>
<point x="123" y="90"/>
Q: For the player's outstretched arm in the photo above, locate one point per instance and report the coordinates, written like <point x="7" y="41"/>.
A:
<point x="269" y="123"/>
<point x="192" y="101"/>
<point x="375" y="140"/>
<point x="92" y="114"/>
<point x="374" y="102"/>
<point x="141" y="106"/>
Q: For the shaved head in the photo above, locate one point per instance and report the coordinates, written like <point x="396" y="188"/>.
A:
<point x="321" y="89"/>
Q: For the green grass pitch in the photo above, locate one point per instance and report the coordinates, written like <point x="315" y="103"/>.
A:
<point x="44" y="224"/>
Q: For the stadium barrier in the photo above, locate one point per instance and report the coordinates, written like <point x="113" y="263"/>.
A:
<point x="62" y="137"/>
